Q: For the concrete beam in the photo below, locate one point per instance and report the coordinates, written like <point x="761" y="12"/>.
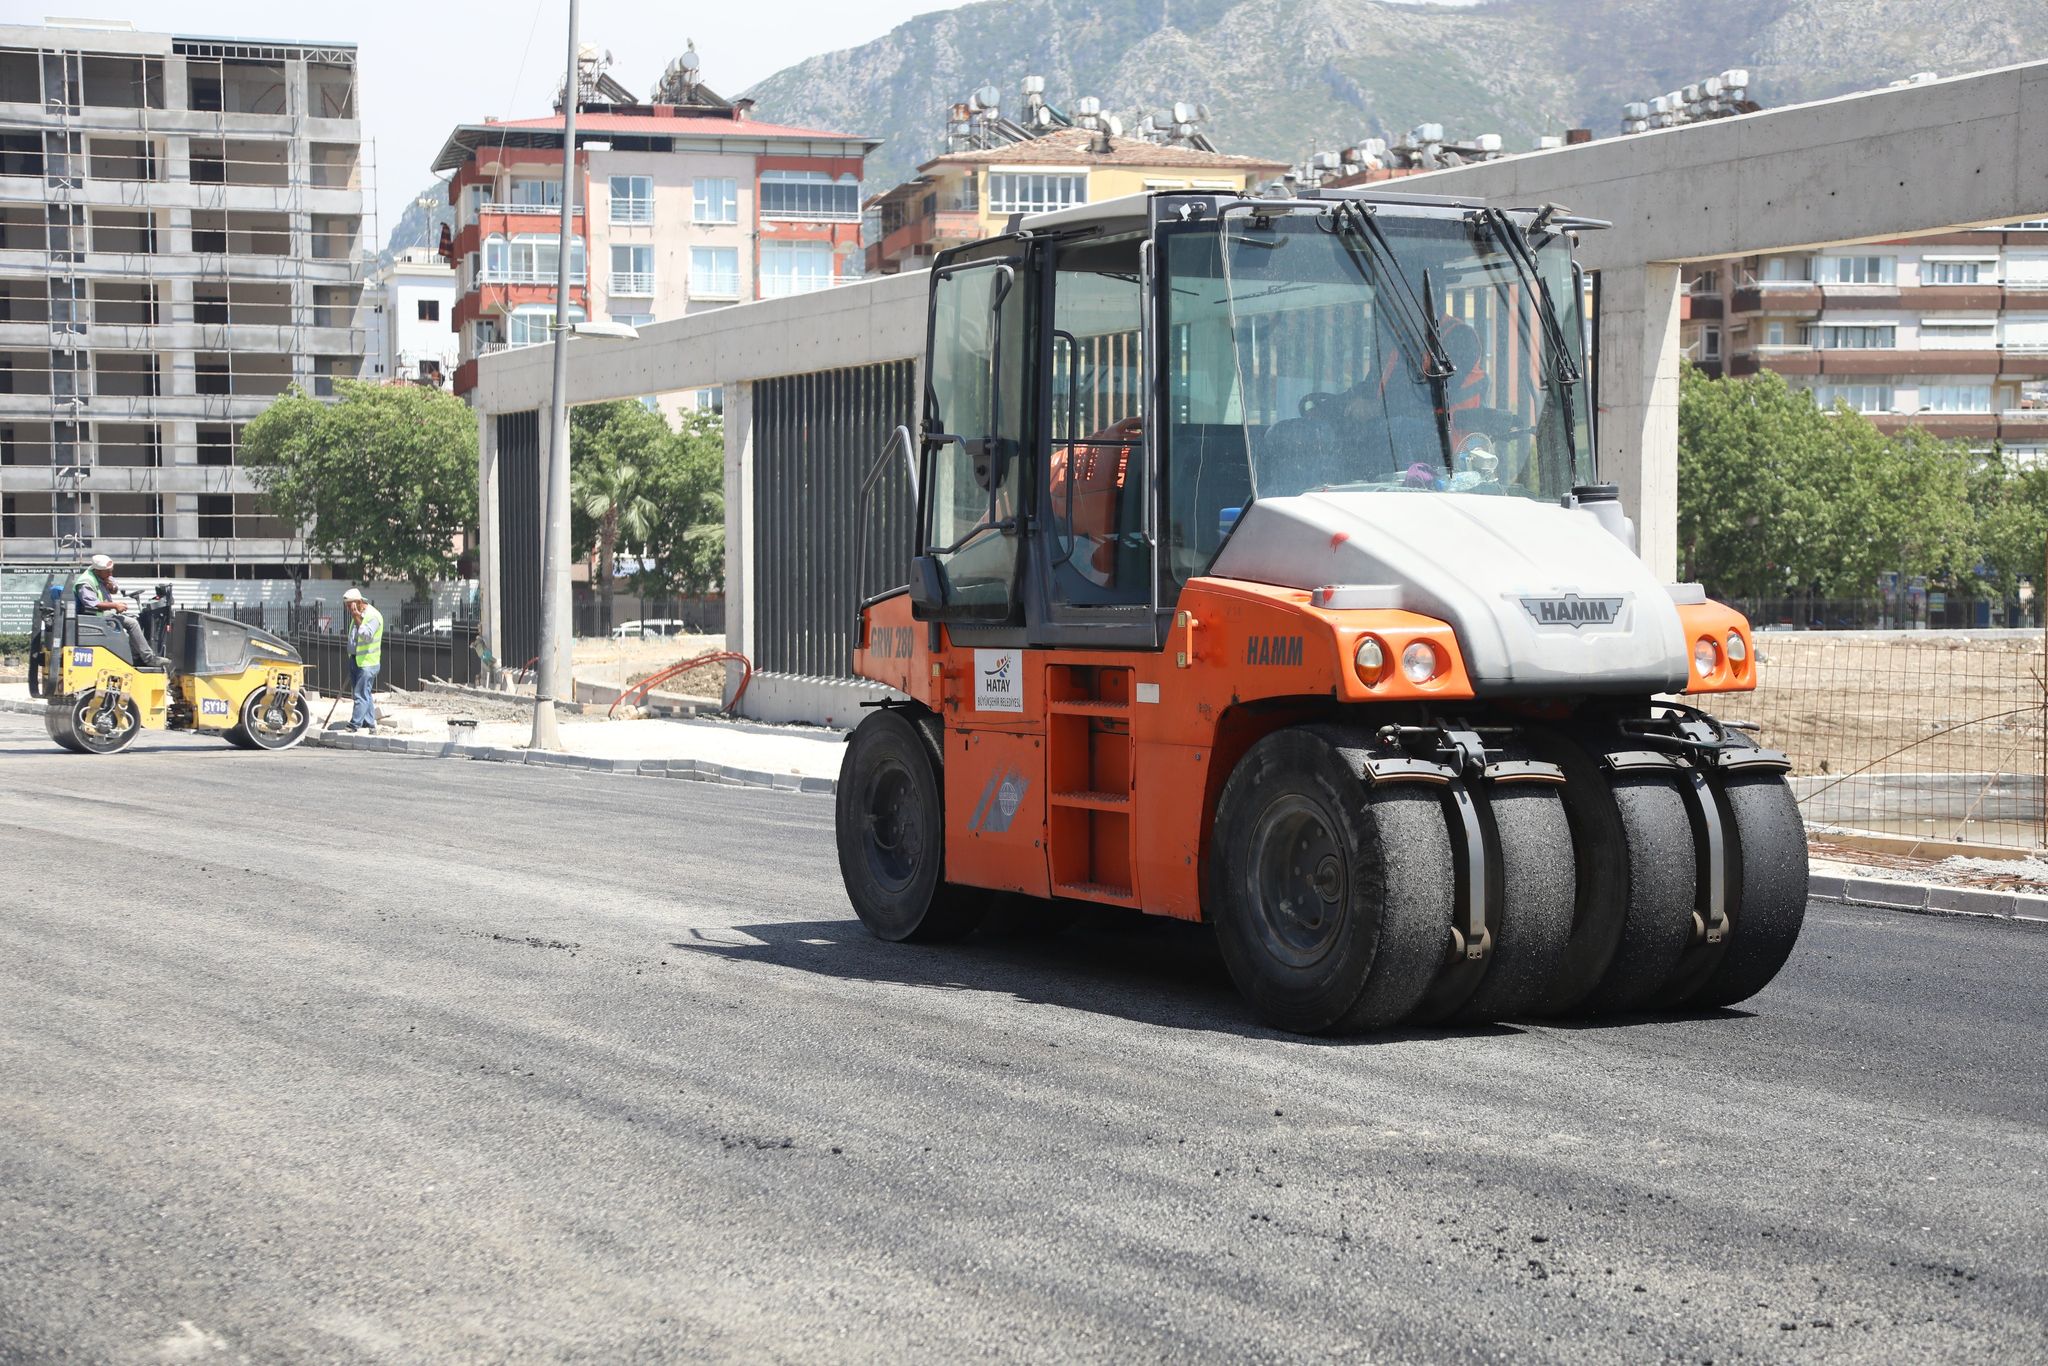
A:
<point x="861" y="324"/>
<point x="1964" y="152"/>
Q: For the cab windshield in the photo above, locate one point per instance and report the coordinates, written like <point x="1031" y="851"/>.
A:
<point x="1304" y="353"/>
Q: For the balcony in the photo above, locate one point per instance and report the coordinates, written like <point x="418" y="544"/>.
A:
<point x="1704" y="308"/>
<point x="783" y="286"/>
<point x="1777" y="296"/>
<point x="634" y="284"/>
<point x="924" y="237"/>
<point x="628" y="211"/>
<point x="715" y="286"/>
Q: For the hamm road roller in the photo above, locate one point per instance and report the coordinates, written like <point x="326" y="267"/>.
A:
<point x="1263" y="577"/>
<point x="217" y="676"/>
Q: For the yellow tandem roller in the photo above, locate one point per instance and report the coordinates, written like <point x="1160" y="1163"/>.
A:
<point x="242" y="683"/>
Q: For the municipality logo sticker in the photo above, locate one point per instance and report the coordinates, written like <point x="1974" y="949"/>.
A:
<point x="1569" y="609"/>
<point x="999" y="680"/>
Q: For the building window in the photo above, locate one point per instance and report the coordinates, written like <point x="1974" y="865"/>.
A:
<point x="1856" y="270"/>
<point x="632" y="199"/>
<point x="708" y="400"/>
<point x="795" y="268"/>
<point x="1036" y="191"/>
<point x="479" y="195"/>
<point x="537" y="194"/>
<point x="1861" y="398"/>
<point x="1955" y="398"/>
<point x="430" y="310"/>
<point x="714" y="272"/>
<point x="529" y="259"/>
<point x="532" y="324"/>
<point x="1774" y="334"/>
<point x="1958" y="334"/>
<point x="1952" y="272"/>
<point x="1787" y="270"/>
<point x="1706" y="282"/>
<point x="1834" y="337"/>
<point x="632" y="319"/>
<point x="632" y="270"/>
<point x="813" y="195"/>
<point x="717" y="200"/>
<point x="1710" y="343"/>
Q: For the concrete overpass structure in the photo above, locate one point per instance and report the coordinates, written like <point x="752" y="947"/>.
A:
<point x="1967" y="151"/>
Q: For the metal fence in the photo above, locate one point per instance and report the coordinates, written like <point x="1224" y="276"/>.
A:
<point x="815" y="437"/>
<point x="1935" y="736"/>
<point x="409" y="660"/>
<point x="1913" y="609"/>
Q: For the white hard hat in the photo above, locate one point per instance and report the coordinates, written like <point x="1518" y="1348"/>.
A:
<point x="103" y="562"/>
<point x="353" y="595"/>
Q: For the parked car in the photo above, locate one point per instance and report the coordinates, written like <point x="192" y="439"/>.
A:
<point x="657" y="627"/>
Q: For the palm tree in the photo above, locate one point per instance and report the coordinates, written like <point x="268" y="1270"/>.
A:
<point x="610" y="492"/>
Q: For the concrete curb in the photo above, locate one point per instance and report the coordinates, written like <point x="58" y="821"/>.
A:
<point x="1927" y="898"/>
<point x="687" y="770"/>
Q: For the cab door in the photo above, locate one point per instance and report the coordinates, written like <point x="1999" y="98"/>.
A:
<point x="971" y="506"/>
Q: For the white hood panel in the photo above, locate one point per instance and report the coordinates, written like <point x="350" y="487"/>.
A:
<point x="1542" y="597"/>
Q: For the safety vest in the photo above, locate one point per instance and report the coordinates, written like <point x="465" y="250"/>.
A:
<point x="367" y="636"/>
<point x="87" y="581"/>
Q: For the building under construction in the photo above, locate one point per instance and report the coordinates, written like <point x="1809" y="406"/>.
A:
<point x="181" y="222"/>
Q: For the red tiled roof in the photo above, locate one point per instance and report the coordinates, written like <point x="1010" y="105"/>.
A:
<point x="681" y="125"/>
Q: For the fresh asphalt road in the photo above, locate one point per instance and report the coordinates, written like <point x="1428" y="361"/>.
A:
<point x="331" y="1056"/>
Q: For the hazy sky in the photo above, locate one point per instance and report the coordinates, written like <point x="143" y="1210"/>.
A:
<point x="429" y="66"/>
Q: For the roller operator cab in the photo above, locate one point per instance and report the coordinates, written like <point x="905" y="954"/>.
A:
<point x="1263" y="577"/>
<point x="216" y="676"/>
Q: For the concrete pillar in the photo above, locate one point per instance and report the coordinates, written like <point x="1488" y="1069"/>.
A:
<point x="1638" y="391"/>
<point x="487" y="550"/>
<point x="739" y="525"/>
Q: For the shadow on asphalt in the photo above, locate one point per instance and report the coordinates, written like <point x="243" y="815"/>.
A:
<point x="1144" y="969"/>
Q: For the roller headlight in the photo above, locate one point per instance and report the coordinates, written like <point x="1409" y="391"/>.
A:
<point x="1738" y="648"/>
<point x="1421" y="661"/>
<point x="1370" y="661"/>
<point x="1706" y="657"/>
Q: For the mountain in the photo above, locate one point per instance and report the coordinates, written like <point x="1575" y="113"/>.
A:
<point x="419" y="226"/>
<point x="1286" y="77"/>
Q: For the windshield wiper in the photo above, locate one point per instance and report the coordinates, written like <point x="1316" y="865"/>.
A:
<point x="1356" y="223"/>
<point x="1568" y="376"/>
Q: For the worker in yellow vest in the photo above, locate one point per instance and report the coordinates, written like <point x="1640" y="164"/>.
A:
<point x="366" y="656"/>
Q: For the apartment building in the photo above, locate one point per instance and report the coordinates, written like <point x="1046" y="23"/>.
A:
<point x="682" y="204"/>
<point x="409" y="316"/>
<point x="1947" y="333"/>
<point x="967" y="194"/>
<point x="180" y="223"/>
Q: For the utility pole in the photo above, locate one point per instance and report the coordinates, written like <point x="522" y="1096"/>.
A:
<point x="556" y="666"/>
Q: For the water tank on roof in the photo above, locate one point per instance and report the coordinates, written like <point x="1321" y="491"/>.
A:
<point x="1735" y="78"/>
<point x="1487" y="142"/>
<point x="1088" y="106"/>
<point x="990" y="97"/>
<point x="1034" y="85"/>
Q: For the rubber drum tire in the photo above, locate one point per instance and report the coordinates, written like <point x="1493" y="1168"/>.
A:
<point x="890" y="819"/>
<point x="1649" y="850"/>
<point x="1766" y="888"/>
<point x="1381" y="879"/>
<point x="1539" y="882"/>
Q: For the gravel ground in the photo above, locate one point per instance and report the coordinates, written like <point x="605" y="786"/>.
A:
<point x="328" y="1056"/>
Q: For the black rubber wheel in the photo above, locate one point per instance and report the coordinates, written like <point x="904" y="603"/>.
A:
<point x="1539" y="882"/>
<point x="890" y="817"/>
<point x="1640" y="881"/>
<point x="88" y="727"/>
<point x="238" y="737"/>
<point x="1331" y="898"/>
<point x="271" y="721"/>
<point x="57" y="724"/>
<point x="1766" y="887"/>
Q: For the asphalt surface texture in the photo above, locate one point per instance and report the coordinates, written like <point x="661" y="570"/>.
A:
<point x="331" y="1056"/>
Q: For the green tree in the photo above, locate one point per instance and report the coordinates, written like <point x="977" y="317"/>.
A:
<point x="613" y="449"/>
<point x="686" y="544"/>
<point x="382" y="480"/>
<point x="1778" y="496"/>
<point x="2010" y="505"/>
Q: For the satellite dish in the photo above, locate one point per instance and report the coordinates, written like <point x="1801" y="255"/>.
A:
<point x="990" y="97"/>
<point x="1044" y="117"/>
<point x="688" y="61"/>
<point x="1114" y="126"/>
<point x="1183" y="113"/>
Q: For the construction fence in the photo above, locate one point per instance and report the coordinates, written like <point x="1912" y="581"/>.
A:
<point x="1936" y="736"/>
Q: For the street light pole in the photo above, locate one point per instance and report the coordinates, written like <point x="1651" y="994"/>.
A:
<point x="555" y="667"/>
